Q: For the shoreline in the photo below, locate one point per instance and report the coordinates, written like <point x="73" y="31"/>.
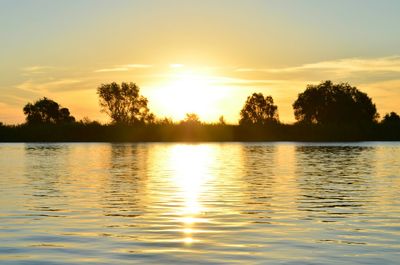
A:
<point x="198" y="133"/>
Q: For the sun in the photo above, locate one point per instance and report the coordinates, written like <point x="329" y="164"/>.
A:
<point x="190" y="92"/>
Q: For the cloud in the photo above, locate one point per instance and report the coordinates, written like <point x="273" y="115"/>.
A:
<point x="122" y="68"/>
<point x="14" y="100"/>
<point x="241" y="81"/>
<point x="385" y="64"/>
<point x="115" y="69"/>
<point x="40" y="86"/>
<point x="136" y="65"/>
<point x="36" y="69"/>
<point x="348" y="65"/>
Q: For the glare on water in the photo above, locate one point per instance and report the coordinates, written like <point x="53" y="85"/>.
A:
<point x="260" y="203"/>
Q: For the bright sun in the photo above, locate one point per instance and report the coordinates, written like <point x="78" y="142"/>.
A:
<point x="189" y="92"/>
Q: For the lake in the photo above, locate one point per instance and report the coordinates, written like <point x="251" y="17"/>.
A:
<point x="244" y="203"/>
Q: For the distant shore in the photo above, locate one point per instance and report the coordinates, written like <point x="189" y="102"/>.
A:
<point x="94" y="132"/>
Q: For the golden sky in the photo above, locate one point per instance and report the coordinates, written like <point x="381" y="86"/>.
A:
<point x="186" y="56"/>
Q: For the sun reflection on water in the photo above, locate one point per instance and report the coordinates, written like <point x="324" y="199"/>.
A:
<point x="200" y="203"/>
<point x="191" y="165"/>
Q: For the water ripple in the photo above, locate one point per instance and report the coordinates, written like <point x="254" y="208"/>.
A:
<point x="258" y="203"/>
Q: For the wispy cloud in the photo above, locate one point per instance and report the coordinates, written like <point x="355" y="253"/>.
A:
<point x="221" y="80"/>
<point x="122" y="68"/>
<point x="137" y="65"/>
<point x="45" y="86"/>
<point x="383" y="64"/>
<point x="115" y="69"/>
<point x="36" y="69"/>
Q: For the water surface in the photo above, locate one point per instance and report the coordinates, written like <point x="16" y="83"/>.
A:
<point x="259" y="203"/>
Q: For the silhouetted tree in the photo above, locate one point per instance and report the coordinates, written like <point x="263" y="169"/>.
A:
<point x="191" y="118"/>
<point x="392" y="119"/>
<point x="258" y="110"/>
<point x="165" y="121"/>
<point x="124" y="104"/>
<point x="328" y="103"/>
<point x="46" y="111"/>
<point x="87" y="121"/>
<point x="221" y="120"/>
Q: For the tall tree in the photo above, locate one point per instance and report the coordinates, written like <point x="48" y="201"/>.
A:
<point x="328" y="103"/>
<point x="124" y="104"/>
<point x="45" y="110"/>
<point x="259" y="110"/>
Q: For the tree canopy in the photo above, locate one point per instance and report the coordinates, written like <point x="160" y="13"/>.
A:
<point x="45" y="110"/>
<point x="391" y="118"/>
<point x="258" y="110"/>
<point x="221" y="120"/>
<point x="328" y="103"/>
<point x="191" y="119"/>
<point x="124" y="104"/>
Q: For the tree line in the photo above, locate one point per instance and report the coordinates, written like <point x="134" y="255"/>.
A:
<point x="326" y="111"/>
<point x="325" y="103"/>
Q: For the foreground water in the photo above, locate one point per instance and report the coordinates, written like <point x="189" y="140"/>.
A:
<point x="265" y="203"/>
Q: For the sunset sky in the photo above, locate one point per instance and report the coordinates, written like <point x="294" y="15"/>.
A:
<point x="195" y="56"/>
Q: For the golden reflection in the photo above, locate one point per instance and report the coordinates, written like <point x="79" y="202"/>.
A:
<point x="191" y="166"/>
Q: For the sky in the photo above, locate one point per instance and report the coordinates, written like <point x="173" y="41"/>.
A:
<point x="195" y="56"/>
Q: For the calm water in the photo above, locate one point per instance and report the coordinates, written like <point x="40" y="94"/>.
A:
<point x="262" y="203"/>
